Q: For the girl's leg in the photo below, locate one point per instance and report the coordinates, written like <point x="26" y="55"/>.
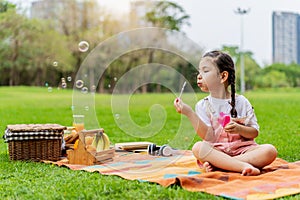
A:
<point x="259" y="156"/>
<point x="206" y="153"/>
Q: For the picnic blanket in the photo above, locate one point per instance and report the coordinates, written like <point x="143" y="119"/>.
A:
<point x="279" y="179"/>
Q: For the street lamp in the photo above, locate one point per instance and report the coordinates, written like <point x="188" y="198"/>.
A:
<point x="242" y="12"/>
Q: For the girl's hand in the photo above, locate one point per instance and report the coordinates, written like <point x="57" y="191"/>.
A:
<point x="233" y="128"/>
<point x="239" y="120"/>
<point x="182" y="107"/>
<point x="178" y="105"/>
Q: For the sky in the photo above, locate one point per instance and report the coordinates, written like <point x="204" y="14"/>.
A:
<point x="214" y="23"/>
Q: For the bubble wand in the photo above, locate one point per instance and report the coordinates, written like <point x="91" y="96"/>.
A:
<point x="183" y="86"/>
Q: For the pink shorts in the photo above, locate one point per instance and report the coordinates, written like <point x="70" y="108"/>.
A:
<point x="235" y="148"/>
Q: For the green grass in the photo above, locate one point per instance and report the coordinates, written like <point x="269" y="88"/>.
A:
<point x="278" y="112"/>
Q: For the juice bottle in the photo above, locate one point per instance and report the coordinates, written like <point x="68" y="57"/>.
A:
<point x="78" y="122"/>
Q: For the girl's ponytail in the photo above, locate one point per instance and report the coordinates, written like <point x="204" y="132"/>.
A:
<point x="231" y="81"/>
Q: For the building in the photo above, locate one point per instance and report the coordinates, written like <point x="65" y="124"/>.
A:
<point x="286" y="37"/>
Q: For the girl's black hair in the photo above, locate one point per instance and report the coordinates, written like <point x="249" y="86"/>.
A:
<point x="224" y="62"/>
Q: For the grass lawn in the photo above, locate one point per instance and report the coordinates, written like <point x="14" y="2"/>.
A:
<point x="278" y="112"/>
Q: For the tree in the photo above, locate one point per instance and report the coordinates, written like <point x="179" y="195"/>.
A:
<point x="5" y="6"/>
<point x="273" y="79"/>
<point x="11" y="26"/>
<point x="251" y="66"/>
<point x="290" y="74"/>
<point x="169" y="15"/>
<point x="83" y="21"/>
<point x="25" y="51"/>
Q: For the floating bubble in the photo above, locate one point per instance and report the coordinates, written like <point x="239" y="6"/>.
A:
<point x="84" y="90"/>
<point x="86" y="108"/>
<point x="46" y="84"/>
<point x="69" y="78"/>
<point x="55" y="63"/>
<point x="64" y="85"/>
<point x="93" y="88"/>
<point x="83" y="46"/>
<point x="115" y="79"/>
<point x="109" y="86"/>
<point x="49" y="89"/>
<point x="117" y="116"/>
<point x="72" y="107"/>
<point x="79" y="83"/>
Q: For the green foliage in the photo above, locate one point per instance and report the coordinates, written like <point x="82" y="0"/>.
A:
<point x="273" y="76"/>
<point x="290" y="74"/>
<point x="5" y="6"/>
<point x="169" y="15"/>
<point x="273" y="79"/>
<point x="277" y="111"/>
<point x="252" y="69"/>
<point x="25" y="50"/>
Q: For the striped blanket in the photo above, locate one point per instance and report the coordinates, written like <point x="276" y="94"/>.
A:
<point x="279" y="179"/>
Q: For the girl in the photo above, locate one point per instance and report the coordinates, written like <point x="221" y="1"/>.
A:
<point x="225" y="121"/>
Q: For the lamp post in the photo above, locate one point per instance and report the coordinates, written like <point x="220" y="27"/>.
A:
<point x="242" y="12"/>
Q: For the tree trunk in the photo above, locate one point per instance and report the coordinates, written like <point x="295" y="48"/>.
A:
<point x="150" y="60"/>
<point x="101" y="85"/>
<point x="14" y="57"/>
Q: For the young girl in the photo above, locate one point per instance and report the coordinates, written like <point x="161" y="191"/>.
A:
<point x="225" y="121"/>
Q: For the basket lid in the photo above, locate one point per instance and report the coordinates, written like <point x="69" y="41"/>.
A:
<point x="35" y="127"/>
<point x="33" y="131"/>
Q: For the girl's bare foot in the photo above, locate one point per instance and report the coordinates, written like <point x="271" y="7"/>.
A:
<point x="208" y="167"/>
<point x="247" y="171"/>
<point x="250" y="171"/>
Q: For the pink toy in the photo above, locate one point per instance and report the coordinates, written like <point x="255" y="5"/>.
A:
<point x="224" y="119"/>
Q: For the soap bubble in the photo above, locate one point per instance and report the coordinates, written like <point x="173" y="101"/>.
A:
<point x="64" y="85"/>
<point x="109" y="86"/>
<point x="55" y="63"/>
<point x="84" y="90"/>
<point x="46" y="84"/>
<point x="49" y="89"/>
<point x="93" y="88"/>
<point x="69" y="78"/>
<point x="117" y="116"/>
<point x="83" y="46"/>
<point x="115" y="79"/>
<point x="79" y="83"/>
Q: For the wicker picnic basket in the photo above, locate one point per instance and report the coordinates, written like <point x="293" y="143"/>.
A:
<point x="34" y="141"/>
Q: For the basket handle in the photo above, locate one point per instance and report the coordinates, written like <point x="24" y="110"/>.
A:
<point x="93" y="132"/>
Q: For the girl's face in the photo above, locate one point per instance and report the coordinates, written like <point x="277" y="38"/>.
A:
<point x="209" y="78"/>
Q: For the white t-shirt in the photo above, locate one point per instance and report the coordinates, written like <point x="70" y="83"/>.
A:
<point x="211" y="107"/>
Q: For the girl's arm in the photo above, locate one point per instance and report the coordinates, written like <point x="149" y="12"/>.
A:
<point x="204" y="131"/>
